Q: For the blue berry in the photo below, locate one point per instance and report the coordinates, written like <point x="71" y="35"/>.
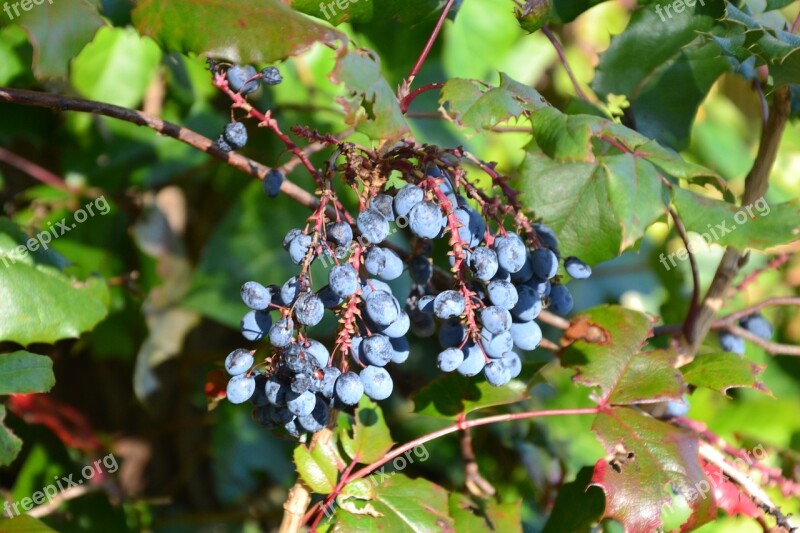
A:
<point x="731" y="343"/>
<point x="448" y="304"/>
<point x="317" y="420"/>
<point x="239" y="361"/>
<point x="371" y="285"/>
<point x="339" y="233"/>
<point x="398" y="328"/>
<point x="343" y="280"/>
<point x="298" y="248"/>
<point x="496" y="319"/>
<point x="309" y="309"/>
<point x="529" y="305"/>
<point x="526" y="335"/>
<point x="483" y="263"/>
<point x="673" y="409"/>
<point x="425" y="220"/>
<point x="376" y="350"/>
<point x="240" y="388"/>
<point x="425" y="303"/>
<point x="256" y="296"/>
<point x="329" y="298"/>
<point x="560" y="300"/>
<point x="280" y="334"/>
<point x="544" y="263"/>
<point x="377" y="382"/>
<point x="255" y="325"/>
<point x="271" y="76"/>
<point x="547" y="236"/>
<point x="382" y="308"/>
<point x="223" y="145"/>
<point x="348" y="388"/>
<point x="449" y="359"/>
<point x="496" y="346"/>
<point x="512" y="363"/>
<point x="497" y="373"/>
<point x="291" y="291"/>
<point x="511" y="252"/>
<point x="452" y="333"/>
<point x="373" y="226"/>
<point x="384" y="204"/>
<point x="318" y="351"/>
<point x="384" y="263"/>
<point x="237" y="79"/>
<point x="400" y="350"/>
<point x="294" y="429"/>
<point x="420" y="269"/>
<point x="503" y="294"/>
<point x="272" y="183"/>
<point x="577" y="268"/>
<point x="329" y="376"/>
<point x="757" y="325"/>
<point x="524" y="274"/>
<point x="301" y="404"/>
<point x="235" y="135"/>
<point x="406" y="198"/>
<point x="290" y="236"/>
<point x="276" y="391"/>
<point x="474" y="361"/>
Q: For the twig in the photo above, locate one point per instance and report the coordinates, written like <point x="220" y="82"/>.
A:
<point x="731" y="318"/>
<point x="755" y="186"/>
<point x="695" y="303"/>
<point x="475" y="482"/>
<point x="565" y="63"/>
<point x="193" y="139"/>
<point x="406" y="101"/>
<point x="68" y="494"/>
<point x="432" y="39"/>
<point x="33" y="170"/>
<point x="773" y="348"/>
<point x="553" y="320"/>
<point x="295" y="507"/>
<point x="777" y="262"/>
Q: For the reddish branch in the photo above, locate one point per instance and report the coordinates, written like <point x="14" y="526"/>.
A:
<point x="563" y="57"/>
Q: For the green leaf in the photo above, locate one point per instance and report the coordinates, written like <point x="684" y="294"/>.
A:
<point x="398" y="504"/>
<point x="450" y="395"/>
<point x="487" y="516"/>
<point x="758" y="226"/>
<point x="371" y="105"/>
<point x="403" y="11"/>
<point x="607" y="355"/>
<point x="722" y="372"/>
<point x="245" y="31"/>
<point x="664" y="67"/>
<point x="646" y="458"/>
<point x="776" y="4"/>
<point x="10" y="444"/>
<point x="568" y="10"/>
<point x="116" y="67"/>
<point x="366" y="435"/>
<point x="58" y="30"/>
<point x="24" y="524"/>
<point x="472" y="104"/>
<point x="318" y="466"/>
<point x="41" y="303"/>
<point x="578" y="506"/>
<point x="25" y="372"/>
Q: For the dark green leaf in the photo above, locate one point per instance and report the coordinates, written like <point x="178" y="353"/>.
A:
<point x="403" y="11"/>
<point x="25" y="372"/>
<point x="247" y="31"/>
<point x="24" y="524"/>
<point x="366" y="435"/>
<point x="486" y="516"/>
<point x="10" y="445"/>
<point x="722" y="372"/>
<point x="578" y="505"/>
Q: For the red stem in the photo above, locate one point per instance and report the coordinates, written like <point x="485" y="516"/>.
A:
<point x="405" y="103"/>
<point x="336" y="490"/>
<point x="563" y="58"/>
<point x="429" y="44"/>
<point x="33" y="170"/>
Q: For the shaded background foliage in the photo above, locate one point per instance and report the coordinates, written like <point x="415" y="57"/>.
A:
<point x="151" y="290"/>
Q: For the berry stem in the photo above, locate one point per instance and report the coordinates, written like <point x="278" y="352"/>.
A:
<point x="429" y="45"/>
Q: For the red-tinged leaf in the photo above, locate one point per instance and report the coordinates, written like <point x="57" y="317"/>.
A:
<point x="729" y="496"/>
<point x="722" y="372"/>
<point x="646" y="459"/>
<point x="249" y="31"/>
<point x="606" y="352"/>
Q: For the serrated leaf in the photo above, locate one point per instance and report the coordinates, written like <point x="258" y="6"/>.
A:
<point x="24" y="524"/>
<point x="402" y="11"/>
<point x="487" y="516"/>
<point x="40" y="303"/>
<point x="366" y="435"/>
<point x="248" y="31"/>
<point x="24" y="372"/>
<point x="646" y="458"/>
<point x="664" y="67"/>
<point x="317" y="466"/>
<point x="719" y="222"/>
<point x="722" y="372"/>
<point x="472" y="104"/>
<point x="58" y="30"/>
<point x="403" y="505"/>
<point x="607" y="355"/>
<point x="578" y="506"/>
<point x="371" y="105"/>
<point x="450" y="395"/>
<point x="10" y="444"/>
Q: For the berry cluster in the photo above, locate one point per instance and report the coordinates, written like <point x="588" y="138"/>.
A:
<point x="502" y="280"/>
<point x="756" y="324"/>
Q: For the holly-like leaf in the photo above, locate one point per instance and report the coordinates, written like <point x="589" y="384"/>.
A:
<point x="245" y="31"/>
<point x="402" y="11"/>
<point x="366" y="435"/>
<point x="24" y="524"/>
<point x="397" y="504"/>
<point x="472" y="104"/>
<point x="450" y="395"/>
<point x="58" y="31"/>
<point x="722" y="372"/>
<point x="371" y="105"/>
<point x="41" y="303"/>
<point x="646" y="459"/>
<point x="578" y="506"/>
<point x="607" y="355"/>
<point x="664" y="67"/>
<point x="758" y="226"/>
<point x="10" y="444"/>
<point x="489" y="516"/>
<point x="317" y="466"/>
<point x="25" y="372"/>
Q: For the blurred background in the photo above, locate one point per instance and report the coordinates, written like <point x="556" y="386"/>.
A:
<point x="185" y="231"/>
